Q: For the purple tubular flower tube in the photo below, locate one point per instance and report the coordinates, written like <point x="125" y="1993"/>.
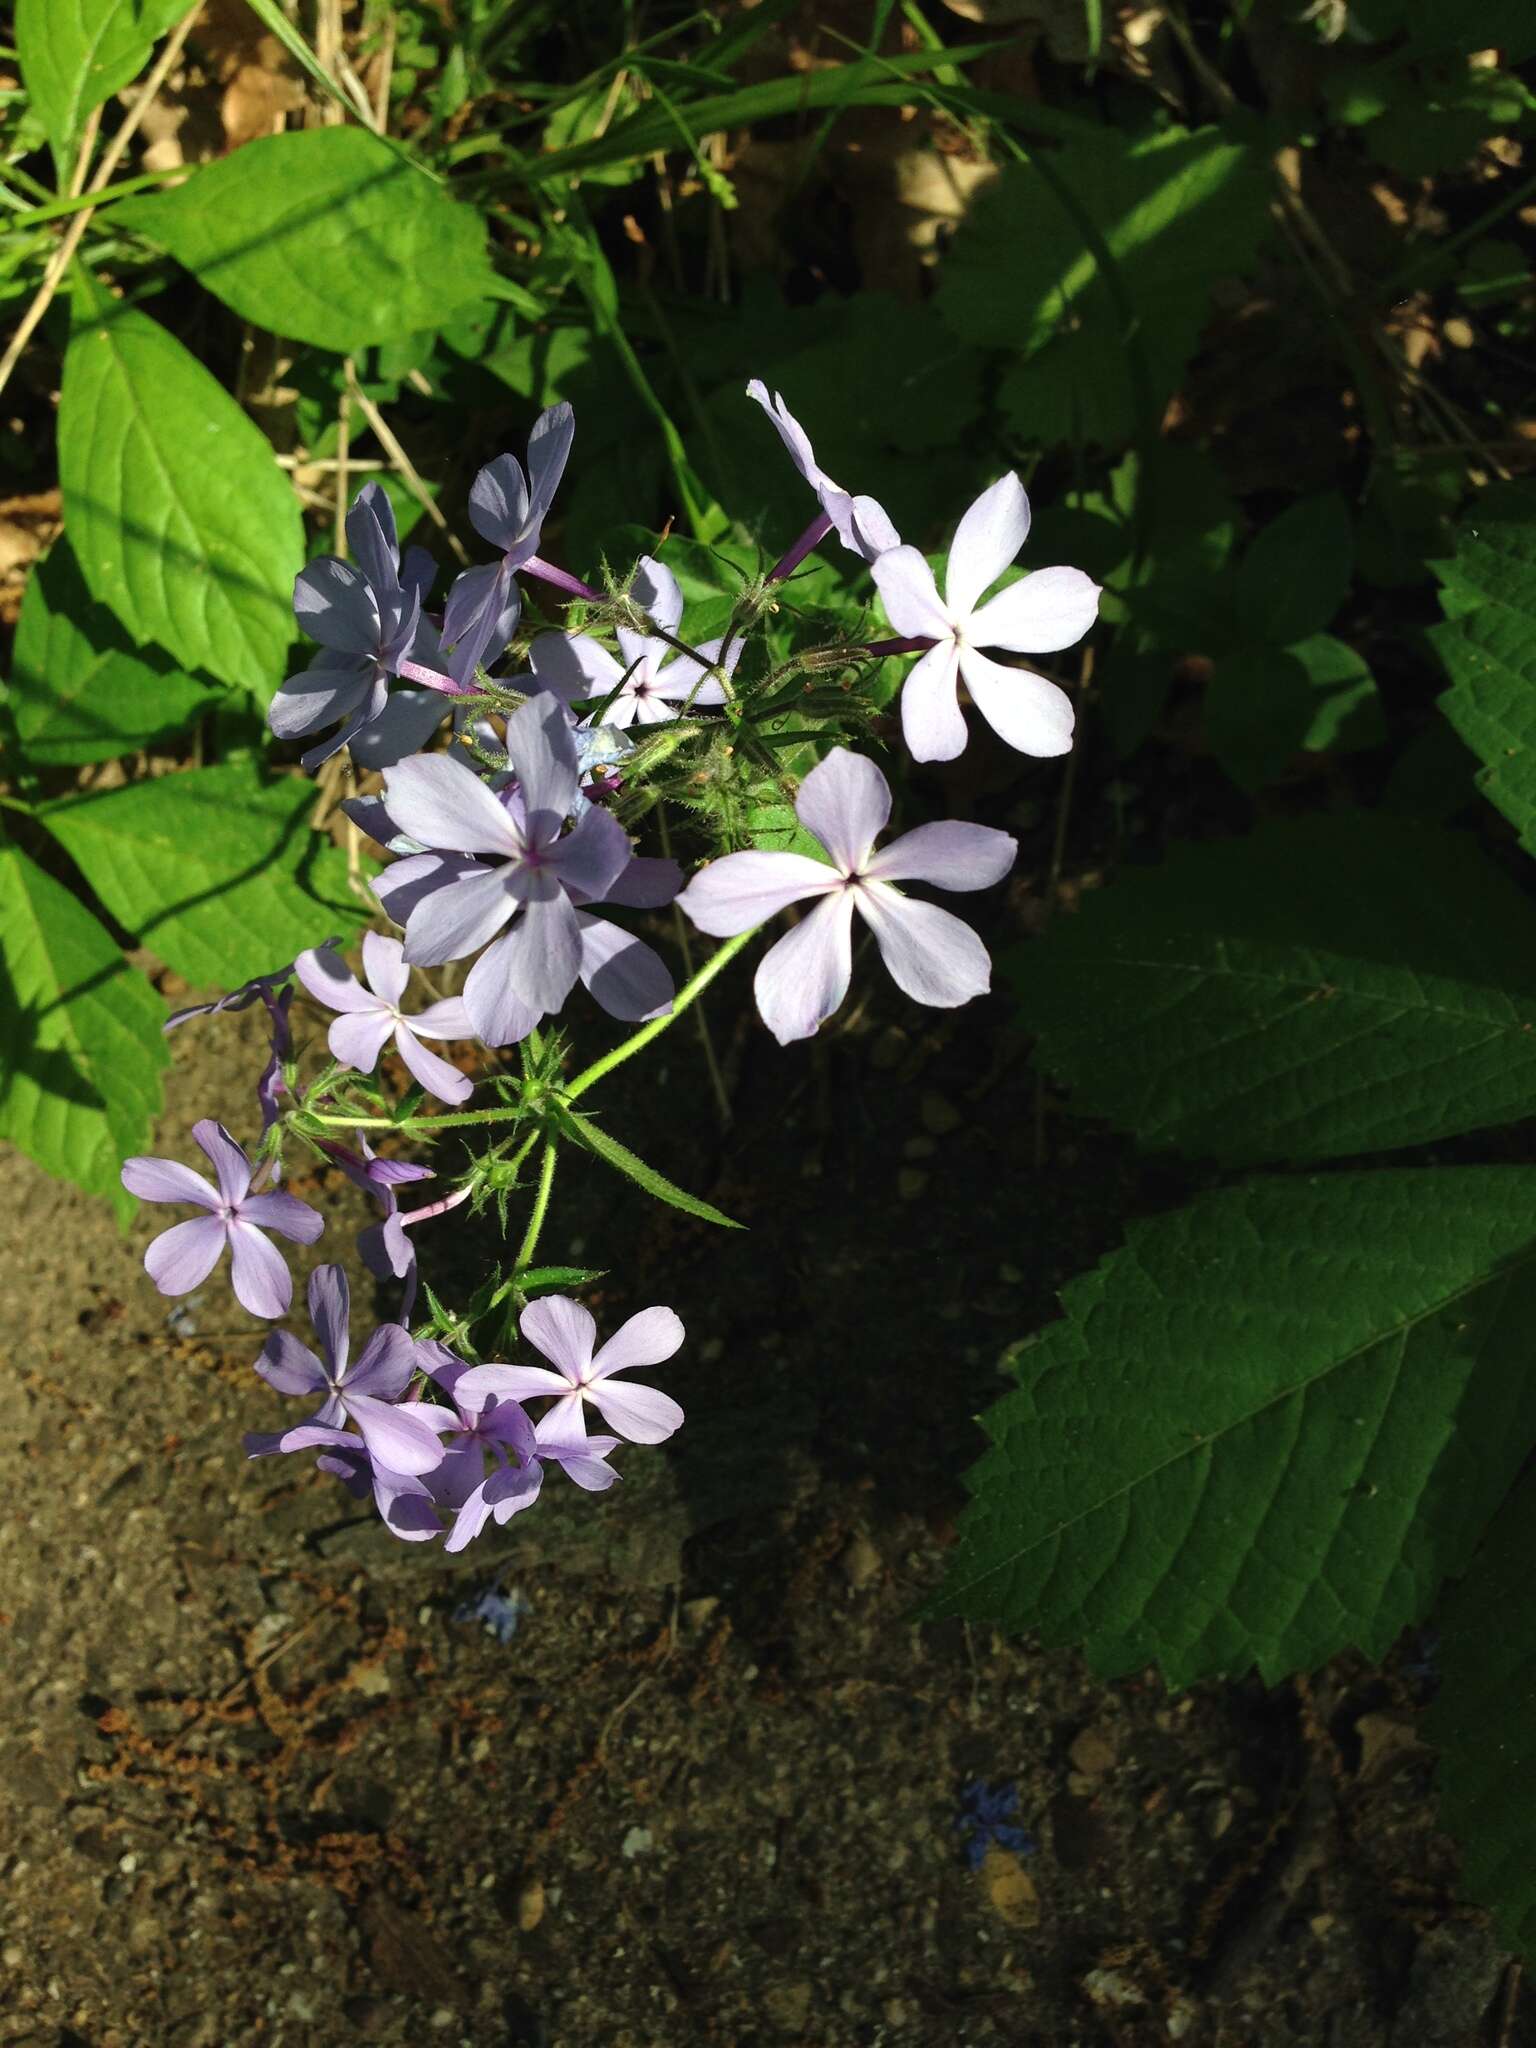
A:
<point x="523" y="889"/>
<point x="182" y="1257"/>
<point x="372" y="1015"/>
<point x="845" y="803"/>
<point x="650" y="682"/>
<point x="508" y="508"/>
<point x="1046" y="611"/>
<point x="396" y="1435"/>
<point x="566" y="1334"/>
<point x="860" y="524"/>
<point x="387" y="1249"/>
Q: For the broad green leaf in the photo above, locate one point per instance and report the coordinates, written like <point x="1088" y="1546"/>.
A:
<point x="1265" y="704"/>
<point x="1488" y="646"/>
<point x="609" y="1148"/>
<point x="1296" y="571"/>
<point x="80" y="1036"/>
<point x="1287" y="996"/>
<point x="184" y="526"/>
<point x="214" y="870"/>
<point x="1267" y="1430"/>
<point x="1177" y="212"/>
<point x="1345" y="706"/>
<point x="1495" y="557"/>
<point x="76" y="53"/>
<point x="324" y="235"/>
<point x="1483" y="1724"/>
<point x="79" y="691"/>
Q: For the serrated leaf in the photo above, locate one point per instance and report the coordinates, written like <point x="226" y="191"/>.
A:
<point x="1177" y="212"/>
<point x="184" y="526"/>
<point x="79" y="691"/>
<point x="76" y="53"/>
<point x="324" y="235"/>
<point x="1286" y="996"/>
<point x="1490" y="655"/>
<point x="1267" y="1430"/>
<point x="214" y="870"/>
<point x="559" y="1276"/>
<point x="1482" y="1720"/>
<point x="607" y="1147"/>
<point x="81" y="1036"/>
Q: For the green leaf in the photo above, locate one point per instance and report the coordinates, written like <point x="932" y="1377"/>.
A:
<point x="1296" y="572"/>
<point x="1176" y="211"/>
<point x="1495" y="558"/>
<point x="81" y="1036"/>
<point x="78" y="690"/>
<point x="1286" y="996"/>
<point x="324" y="235"/>
<point x="214" y="870"/>
<point x="1344" y="706"/>
<point x="76" y="53"/>
<point x="184" y="526"/>
<point x="1266" y="1430"/>
<point x="1265" y="704"/>
<point x="1488" y="646"/>
<point x="609" y="1148"/>
<point x="1482" y="1720"/>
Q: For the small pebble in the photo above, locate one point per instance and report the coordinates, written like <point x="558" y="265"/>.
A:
<point x="939" y="1116"/>
<point x="919" y="1148"/>
<point x="638" y="1842"/>
<point x="701" y="1612"/>
<point x="1011" y="1891"/>
<point x="530" y="1905"/>
<point x="1094" y="1752"/>
<point x="860" y="1563"/>
<point x="911" y="1182"/>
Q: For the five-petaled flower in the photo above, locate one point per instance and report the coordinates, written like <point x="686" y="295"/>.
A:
<point x="860" y="524"/>
<point x="183" y="1256"/>
<point x="1045" y="611"/>
<point x="932" y="956"/>
<point x="508" y="508"/>
<point x="653" y="680"/>
<point x="371" y="1015"/>
<point x="566" y="1334"/>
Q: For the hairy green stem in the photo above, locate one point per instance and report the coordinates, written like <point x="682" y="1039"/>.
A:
<point x="529" y="1245"/>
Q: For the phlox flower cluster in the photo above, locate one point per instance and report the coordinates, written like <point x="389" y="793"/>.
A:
<point x="512" y="867"/>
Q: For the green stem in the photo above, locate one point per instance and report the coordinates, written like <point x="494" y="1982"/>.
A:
<point x="685" y="996"/>
<point x="529" y="1245"/>
<point x="57" y="209"/>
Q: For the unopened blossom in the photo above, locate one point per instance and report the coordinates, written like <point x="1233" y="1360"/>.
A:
<point x="522" y="885"/>
<point x="566" y="1334"/>
<point x="182" y="1257"/>
<point x="493" y="1455"/>
<point x="366" y="1393"/>
<point x="387" y="1247"/>
<point x="366" y="614"/>
<point x="372" y="1015"/>
<point x="844" y="803"/>
<point x="860" y="524"/>
<point x="507" y="507"/>
<point x="649" y="681"/>
<point x="1046" y="611"/>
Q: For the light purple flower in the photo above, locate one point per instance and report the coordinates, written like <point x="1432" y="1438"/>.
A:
<point x="366" y="614"/>
<point x="182" y="1257"/>
<point x="652" y="679"/>
<point x="508" y="508"/>
<point x="860" y="524"/>
<point x="1046" y="611"/>
<point x="372" y="1015"/>
<point x="845" y="803"/>
<point x="388" y="1249"/>
<point x="405" y="1506"/>
<point x="367" y="1394"/>
<point x="271" y="1086"/>
<point x="565" y="1332"/>
<point x="457" y="903"/>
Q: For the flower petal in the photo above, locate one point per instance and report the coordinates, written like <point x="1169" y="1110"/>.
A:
<point x="385" y="1368"/>
<point x="330" y="1308"/>
<point x="332" y="687"/>
<point x="498" y="1012"/>
<point x="231" y="1168"/>
<point x="447" y="1019"/>
<point x="405" y="724"/>
<point x="790" y="431"/>
<point x="871" y="532"/>
<point x="641" y="1414"/>
<point x="845" y="802"/>
<point x="649" y="1337"/>
<point x="1051" y="609"/>
<point x="646" y="884"/>
<point x="573" y="665"/>
<point x="986" y="541"/>
<point x="452" y="921"/>
<point x="384" y="965"/>
<point x="334" y="605"/>
<point x="744" y="889"/>
<point x="167" y="1180"/>
<point x="949" y="854"/>
<point x="290" y="1366"/>
<point x="805" y="976"/>
<point x="543" y="752"/>
<point x="930" y="954"/>
<point x="258" y="1272"/>
<point x="444" y="806"/>
<point x="590" y="859"/>
<point x="1023" y="709"/>
<point x="498" y="501"/>
<point x="328" y="978"/>
<point x="507" y="1383"/>
<point x="657" y="591"/>
<point x="538" y="960"/>
<point x="563" y="1330"/>
<point x="373" y="540"/>
<point x="285" y="1214"/>
<point x="396" y="1439"/>
<point x="932" y="723"/>
<point x="549" y="449"/>
<point x="180" y="1258"/>
<point x="910" y="595"/>
<point x="435" y="1074"/>
<point x="627" y="977"/>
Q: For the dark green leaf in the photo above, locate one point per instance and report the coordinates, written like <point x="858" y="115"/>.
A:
<point x="80" y="1040"/>
<point x="1488" y="646"/>
<point x="76" y="53"/>
<point x="214" y="870"/>
<point x="1296" y="572"/>
<point x="183" y="525"/>
<point x="78" y="689"/>
<point x="609" y="1148"/>
<point x="324" y="235"/>
<point x="1287" y="996"/>
<point x="1267" y="1430"/>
